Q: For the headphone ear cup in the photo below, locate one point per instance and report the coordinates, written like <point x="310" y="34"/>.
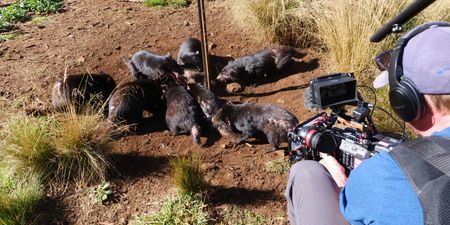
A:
<point x="406" y="101"/>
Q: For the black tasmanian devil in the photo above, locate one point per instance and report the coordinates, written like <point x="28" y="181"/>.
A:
<point x="183" y="112"/>
<point x="81" y="89"/>
<point x="190" y="55"/>
<point x="130" y="100"/>
<point x="242" y="121"/>
<point x="145" y="64"/>
<point x="266" y="61"/>
<point x="207" y="100"/>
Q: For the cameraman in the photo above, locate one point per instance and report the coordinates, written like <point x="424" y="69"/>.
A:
<point x="379" y="191"/>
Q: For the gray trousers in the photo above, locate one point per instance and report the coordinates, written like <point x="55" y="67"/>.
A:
<point x="312" y="195"/>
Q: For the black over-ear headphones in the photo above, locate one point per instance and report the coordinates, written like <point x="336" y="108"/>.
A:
<point x="404" y="97"/>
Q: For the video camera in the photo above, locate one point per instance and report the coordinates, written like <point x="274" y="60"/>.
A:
<point x="349" y="138"/>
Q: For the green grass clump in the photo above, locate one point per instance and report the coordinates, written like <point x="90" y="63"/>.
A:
<point x="187" y="174"/>
<point x="163" y="3"/>
<point x="40" y="19"/>
<point x="153" y="3"/>
<point x="182" y="209"/>
<point x="8" y="36"/>
<point x="278" y="166"/>
<point x="238" y="216"/>
<point x="18" y="198"/>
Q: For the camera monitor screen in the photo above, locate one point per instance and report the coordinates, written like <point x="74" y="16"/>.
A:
<point x="334" y="90"/>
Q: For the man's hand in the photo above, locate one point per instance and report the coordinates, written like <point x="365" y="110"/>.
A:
<point x="336" y="170"/>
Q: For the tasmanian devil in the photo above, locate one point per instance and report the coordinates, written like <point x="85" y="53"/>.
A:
<point x="190" y="55"/>
<point x="129" y="101"/>
<point x="242" y="121"/>
<point x="145" y="64"/>
<point x="266" y="61"/>
<point x="183" y="113"/>
<point x="81" y="89"/>
<point x="206" y="99"/>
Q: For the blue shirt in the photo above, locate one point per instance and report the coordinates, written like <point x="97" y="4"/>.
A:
<point x="378" y="192"/>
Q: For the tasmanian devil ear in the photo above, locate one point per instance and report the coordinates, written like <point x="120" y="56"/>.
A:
<point x="227" y="121"/>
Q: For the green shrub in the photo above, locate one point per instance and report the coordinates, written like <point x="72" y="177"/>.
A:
<point x="182" y="209"/>
<point x="102" y="192"/>
<point x="41" y="6"/>
<point x="21" y="11"/>
<point x="18" y="198"/>
<point x="13" y="13"/>
<point x="187" y="174"/>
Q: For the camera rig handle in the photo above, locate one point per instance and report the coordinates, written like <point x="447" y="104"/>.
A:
<point x="394" y="25"/>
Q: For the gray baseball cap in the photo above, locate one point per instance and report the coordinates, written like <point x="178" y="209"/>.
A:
<point x="426" y="61"/>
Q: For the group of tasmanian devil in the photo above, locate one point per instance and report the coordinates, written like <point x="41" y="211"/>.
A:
<point x="164" y="86"/>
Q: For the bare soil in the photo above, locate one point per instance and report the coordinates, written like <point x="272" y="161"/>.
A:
<point x="91" y="36"/>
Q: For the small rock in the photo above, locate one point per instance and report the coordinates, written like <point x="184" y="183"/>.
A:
<point x="234" y="88"/>
<point x="281" y="101"/>
<point x="70" y="35"/>
<point x="81" y="60"/>
<point x="186" y="23"/>
<point x="118" y="47"/>
<point x="211" y="46"/>
<point x="41" y="26"/>
<point x="224" y="146"/>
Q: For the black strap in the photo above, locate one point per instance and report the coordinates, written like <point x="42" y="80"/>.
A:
<point x="426" y="163"/>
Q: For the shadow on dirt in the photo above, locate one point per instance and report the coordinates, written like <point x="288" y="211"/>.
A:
<point x="240" y="196"/>
<point x="135" y="166"/>
<point x="152" y="124"/>
<point x="41" y="216"/>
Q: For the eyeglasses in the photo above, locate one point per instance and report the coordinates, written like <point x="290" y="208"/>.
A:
<point x="382" y="60"/>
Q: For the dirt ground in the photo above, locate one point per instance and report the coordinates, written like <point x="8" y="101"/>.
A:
<point x="91" y="36"/>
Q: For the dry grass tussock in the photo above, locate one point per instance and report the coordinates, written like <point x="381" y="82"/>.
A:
<point x="82" y="143"/>
<point x="61" y="147"/>
<point x="285" y="22"/>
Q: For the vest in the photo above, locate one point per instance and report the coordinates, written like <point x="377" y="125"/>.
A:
<point x="426" y="163"/>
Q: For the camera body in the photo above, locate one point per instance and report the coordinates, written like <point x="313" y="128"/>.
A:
<point x="350" y="138"/>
